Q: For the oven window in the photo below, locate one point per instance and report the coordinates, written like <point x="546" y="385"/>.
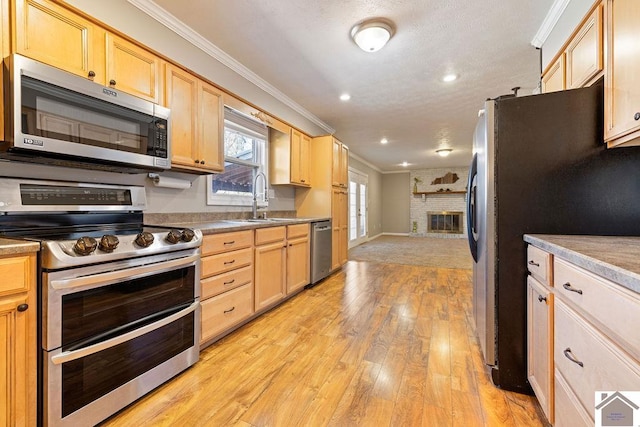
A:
<point x="112" y="310"/>
<point x="89" y="378"/>
<point x="53" y="112"/>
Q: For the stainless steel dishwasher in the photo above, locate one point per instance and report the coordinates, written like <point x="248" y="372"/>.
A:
<point x="320" y="250"/>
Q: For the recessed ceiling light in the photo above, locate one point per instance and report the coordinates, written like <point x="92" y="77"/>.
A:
<point x="345" y="97"/>
<point x="444" y="152"/>
<point x="449" y="78"/>
<point x="405" y="164"/>
<point x="384" y="141"/>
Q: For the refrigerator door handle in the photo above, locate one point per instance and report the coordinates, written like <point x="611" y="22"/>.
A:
<point x="471" y="208"/>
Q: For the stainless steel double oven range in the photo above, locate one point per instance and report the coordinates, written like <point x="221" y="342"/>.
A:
<point x="119" y="309"/>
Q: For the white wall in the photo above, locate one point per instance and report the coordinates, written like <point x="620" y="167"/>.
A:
<point x="568" y="22"/>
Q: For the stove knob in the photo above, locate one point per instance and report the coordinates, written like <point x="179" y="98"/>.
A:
<point x="108" y="243"/>
<point x="144" y="239"/>
<point x="85" y="245"/>
<point x="174" y="236"/>
<point x="188" y="235"/>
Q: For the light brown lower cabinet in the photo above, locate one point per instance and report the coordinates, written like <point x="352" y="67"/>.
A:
<point x="18" y="314"/>
<point x="298" y="257"/>
<point x="270" y="266"/>
<point x="226" y="282"/>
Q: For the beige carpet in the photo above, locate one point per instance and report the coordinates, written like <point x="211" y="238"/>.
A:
<point x="426" y="251"/>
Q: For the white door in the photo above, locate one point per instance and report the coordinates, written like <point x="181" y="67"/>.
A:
<point x="358" y="202"/>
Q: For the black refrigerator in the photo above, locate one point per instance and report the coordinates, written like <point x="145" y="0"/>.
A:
<point x="539" y="166"/>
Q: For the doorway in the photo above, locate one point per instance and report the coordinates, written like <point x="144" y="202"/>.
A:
<point x="358" y="206"/>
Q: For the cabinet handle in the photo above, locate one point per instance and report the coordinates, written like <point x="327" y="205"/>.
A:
<point x="229" y="262"/>
<point x="534" y="263"/>
<point x="230" y="310"/>
<point x="197" y="161"/>
<point x="302" y="180"/>
<point x="636" y="116"/>
<point x="229" y="243"/>
<point x="23" y="307"/>
<point x="568" y="287"/>
<point x="569" y="355"/>
<point x="112" y="82"/>
<point x="91" y="74"/>
<point x="229" y="282"/>
<point x="541" y="298"/>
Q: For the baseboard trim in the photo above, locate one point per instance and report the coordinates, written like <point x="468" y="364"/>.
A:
<point x="393" y="234"/>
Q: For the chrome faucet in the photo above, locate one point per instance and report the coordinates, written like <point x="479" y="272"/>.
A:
<point x="255" y="192"/>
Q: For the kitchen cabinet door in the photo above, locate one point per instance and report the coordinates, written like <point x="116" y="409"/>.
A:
<point x="340" y="228"/>
<point x="622" y="87"/>
<point x="197" y="122"/>
<point x="585" y="52"/>
<point x="211" y="128"/>
<point x="49" y="33"/>
<point x="132" y="69"/>
<point x="554" y="79"/>
<point x="540" y="344"/>
<point x="18" y="349"/>
<point x="270" y="274"/>
<point x="298" y="264"/>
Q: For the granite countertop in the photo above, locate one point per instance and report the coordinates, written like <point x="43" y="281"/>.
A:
<point x="226" y="225"/>
<point x="17" y="246"/>
<point x="614" y="258"/>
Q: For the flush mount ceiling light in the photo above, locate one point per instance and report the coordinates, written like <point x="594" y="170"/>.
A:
<point x="444" y="152"/>
<point x="371" y="35"/>
<point x="345" y="97"/>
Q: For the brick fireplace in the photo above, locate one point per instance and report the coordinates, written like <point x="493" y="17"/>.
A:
<point x="435" y="195"/>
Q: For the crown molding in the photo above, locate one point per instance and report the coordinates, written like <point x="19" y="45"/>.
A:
<point x="361" y="160"/>
<point x="171" y="22"/>
<point x="554" y="14"/>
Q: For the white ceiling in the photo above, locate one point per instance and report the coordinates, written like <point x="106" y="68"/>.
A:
<point x="303" y="48"/>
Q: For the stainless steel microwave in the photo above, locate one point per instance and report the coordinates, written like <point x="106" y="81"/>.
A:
<point x="52" y="116"/>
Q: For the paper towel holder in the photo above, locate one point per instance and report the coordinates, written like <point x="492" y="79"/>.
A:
<point x="167" y="182"/>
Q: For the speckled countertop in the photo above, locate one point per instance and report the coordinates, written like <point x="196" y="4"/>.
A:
<point x="614" y="258"/>
<point x="213" y="226"/>
<point x="17" y="247"/>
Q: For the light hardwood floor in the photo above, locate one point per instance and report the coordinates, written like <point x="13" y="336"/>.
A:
<point x="373" y="345"/>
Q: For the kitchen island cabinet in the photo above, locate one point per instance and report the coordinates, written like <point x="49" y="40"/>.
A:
<point x="18" y="312"/>
<point x="595" y="297"/>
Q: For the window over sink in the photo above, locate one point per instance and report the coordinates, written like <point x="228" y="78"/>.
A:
<point x="245" y="156"/>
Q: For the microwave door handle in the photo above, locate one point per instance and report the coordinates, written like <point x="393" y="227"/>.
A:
<point x="128" y="273"/>
<point x="68" y="356"/>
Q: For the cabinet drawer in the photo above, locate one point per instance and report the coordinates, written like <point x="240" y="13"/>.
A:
<point x="539" y="264"/>
<point x="602" y="365"/>
<point x="220" y="263"/>
<point x="269" y="235"/>
<point x="226" y="310"/>
<point x="614" y="308"/>
<point x="16" y="273"/>
<point x="217" y="243"/>
<point x="297" y="230"/>
<point x="569" y="412"/>
<point x="220" y="283"/>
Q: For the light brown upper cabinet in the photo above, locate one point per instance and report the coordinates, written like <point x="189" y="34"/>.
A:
<point x="289" y="158"/>
<point x="553" y="79"/>
<point x="47" y="32"/>
<point x="197" y="122"/>
<point x="132" y="69"/>
<point x="584" y="53"/>
<point x="340" y="164"/>
<point x="622" y="87"/>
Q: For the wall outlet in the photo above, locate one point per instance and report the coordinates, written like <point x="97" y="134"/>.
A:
<point x="271" y="193"/>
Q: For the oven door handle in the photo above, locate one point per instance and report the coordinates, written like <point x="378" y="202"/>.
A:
<point x="129" y="273"/>
<point x="67" y="356"/>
